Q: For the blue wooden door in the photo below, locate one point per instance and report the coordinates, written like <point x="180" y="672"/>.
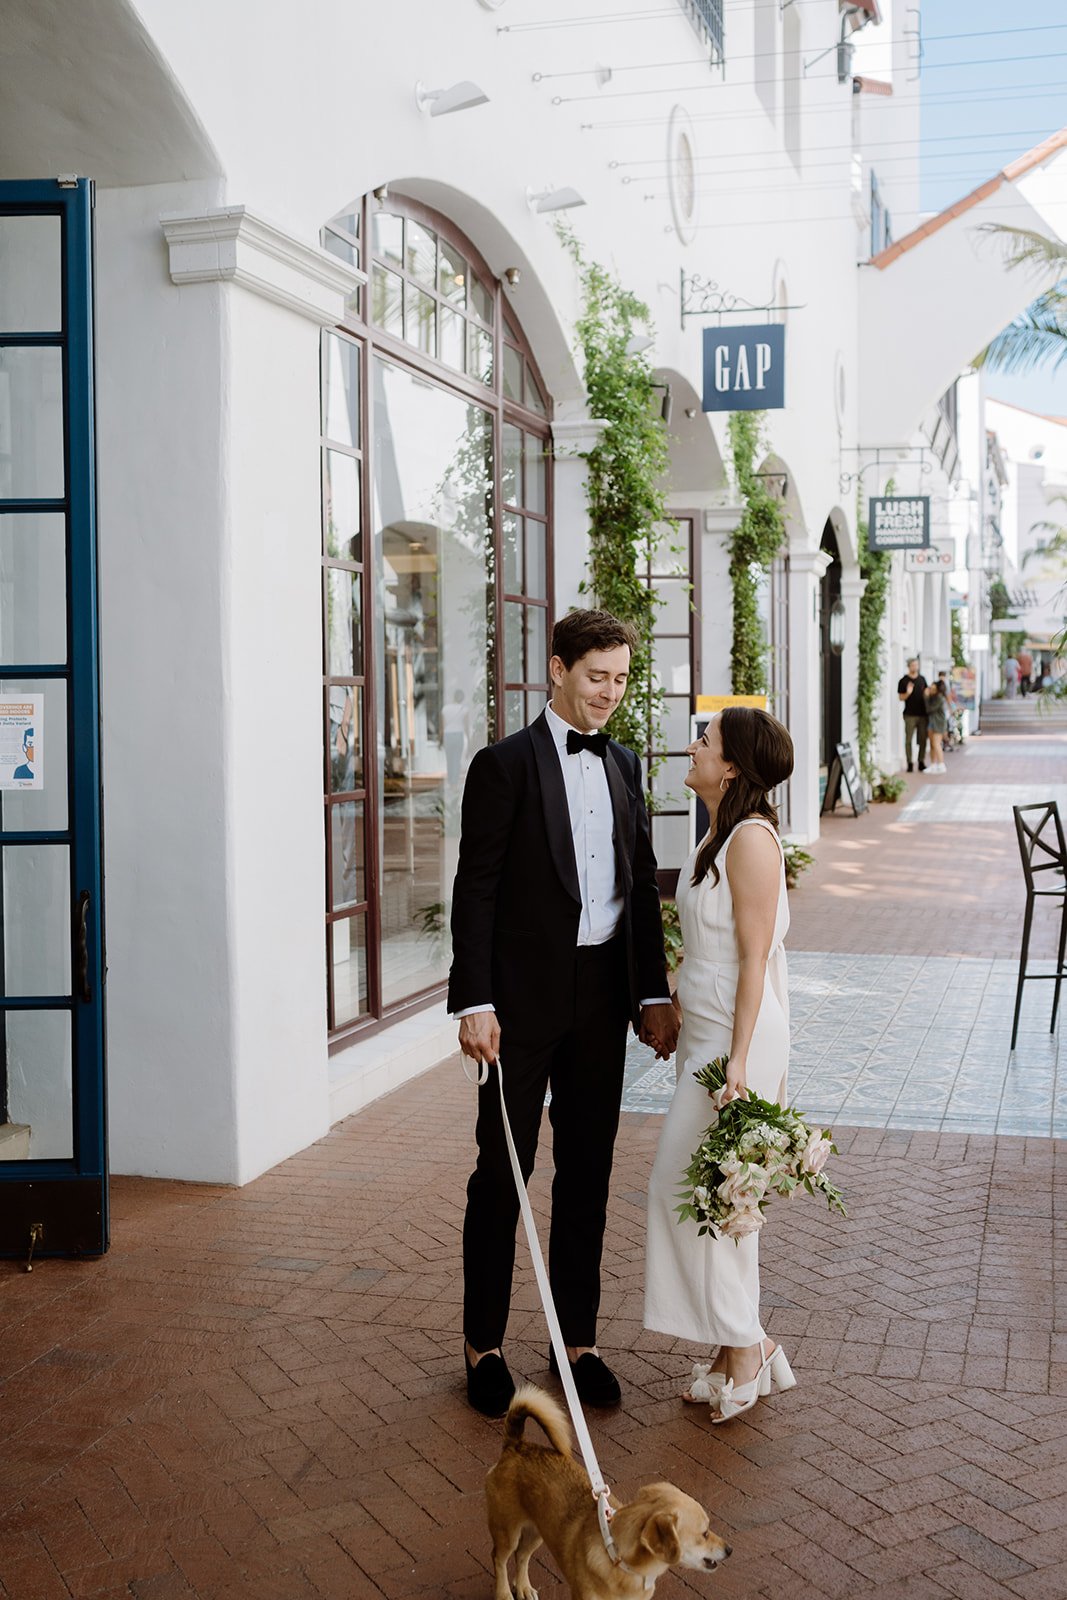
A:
<point x="53" y="1157"/>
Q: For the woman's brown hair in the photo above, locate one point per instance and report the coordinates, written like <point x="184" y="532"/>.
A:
<point x="760" y="748"/>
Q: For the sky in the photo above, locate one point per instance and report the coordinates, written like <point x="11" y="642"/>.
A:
<point x="981" y="108"/>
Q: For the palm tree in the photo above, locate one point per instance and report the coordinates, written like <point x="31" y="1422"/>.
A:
<point x="1039" y="336"/>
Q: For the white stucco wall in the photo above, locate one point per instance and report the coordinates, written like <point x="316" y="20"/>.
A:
<point x="163" y="474"/>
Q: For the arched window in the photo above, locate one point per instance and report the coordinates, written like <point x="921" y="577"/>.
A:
<point x="437" y="584"/>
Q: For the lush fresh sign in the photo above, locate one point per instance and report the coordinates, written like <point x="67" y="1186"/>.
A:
<point x="899" y="522"/>
<point x="744" y="368"/>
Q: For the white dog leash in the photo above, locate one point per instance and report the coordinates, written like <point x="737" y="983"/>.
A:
<point x="581" y="1429"/>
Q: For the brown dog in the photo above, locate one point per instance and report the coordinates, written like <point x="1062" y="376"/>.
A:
<point x="534" y="1494"/>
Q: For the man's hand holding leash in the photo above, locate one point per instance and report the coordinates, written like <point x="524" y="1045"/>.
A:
<point x="479" y="1036"/>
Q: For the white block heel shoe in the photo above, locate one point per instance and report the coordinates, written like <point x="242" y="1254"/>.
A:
<point x="775" y="1372"/>
<point x="781" y="1372"/>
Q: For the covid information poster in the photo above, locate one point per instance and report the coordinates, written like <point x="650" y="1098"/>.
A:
<point x="22" y="741"/>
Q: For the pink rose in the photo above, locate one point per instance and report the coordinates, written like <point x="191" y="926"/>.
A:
<point x="742" y="1223"/>
<point x="815" y="1153"/>
<point x="744" y="1185"/>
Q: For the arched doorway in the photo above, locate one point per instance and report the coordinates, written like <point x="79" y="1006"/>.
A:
<point x="832" y="640"/>
<point x="437" y="583"/>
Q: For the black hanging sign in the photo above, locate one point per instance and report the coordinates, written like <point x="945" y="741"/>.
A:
<point x="899" y="522"/>
<point x="844" y="767"/>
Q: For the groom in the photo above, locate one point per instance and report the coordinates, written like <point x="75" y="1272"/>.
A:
<point x="557" y="945"/>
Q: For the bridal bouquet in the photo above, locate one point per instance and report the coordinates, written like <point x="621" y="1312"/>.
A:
<point x="750" y="1151"/>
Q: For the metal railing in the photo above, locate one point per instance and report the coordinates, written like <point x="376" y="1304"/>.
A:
<point x="707" y="18"/>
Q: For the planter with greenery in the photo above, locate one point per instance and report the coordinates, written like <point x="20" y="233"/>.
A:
<point x="752" y="546"/>
<point x="887" y="787"/>
<point x="625" y="485"/>
<point x="672" y="934"/>
<point x="796" y="862"/>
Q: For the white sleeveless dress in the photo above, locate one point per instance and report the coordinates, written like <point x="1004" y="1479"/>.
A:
<point x="702" y="1288"/>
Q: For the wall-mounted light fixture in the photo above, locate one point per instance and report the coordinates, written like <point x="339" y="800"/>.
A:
<point x="513" y="276"/>
<point x="667" y="405"/>
<point x="381" y="193"/>
<point x="442" y="102"/>
<point x="692" y="413"/>
<point x="553" y="199"/>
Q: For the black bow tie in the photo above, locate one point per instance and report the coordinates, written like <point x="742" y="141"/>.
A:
<point x="596" y="742"/>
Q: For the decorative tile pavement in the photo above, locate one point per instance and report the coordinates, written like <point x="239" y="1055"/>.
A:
<point x="978" y="802"/>
<point x="907" y="1042"/>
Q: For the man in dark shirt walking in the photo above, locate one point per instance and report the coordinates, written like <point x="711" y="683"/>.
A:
<point x="912" y="690"/>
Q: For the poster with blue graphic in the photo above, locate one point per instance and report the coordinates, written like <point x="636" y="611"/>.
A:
<point x="22" y="741"/>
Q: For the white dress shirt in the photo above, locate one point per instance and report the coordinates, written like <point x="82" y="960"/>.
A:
<point x="585" y="781"/>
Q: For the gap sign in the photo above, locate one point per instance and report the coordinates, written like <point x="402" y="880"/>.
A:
<point x="744" y="369"/>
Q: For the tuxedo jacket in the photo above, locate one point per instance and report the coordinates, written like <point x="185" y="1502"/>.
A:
<point x="516" y="904"/>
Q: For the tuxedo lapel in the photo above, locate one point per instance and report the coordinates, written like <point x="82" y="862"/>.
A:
<point x="620" y="806"/>
<point x="554" y="803"/>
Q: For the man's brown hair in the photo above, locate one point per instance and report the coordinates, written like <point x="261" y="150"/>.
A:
<point x="579" y="632"/>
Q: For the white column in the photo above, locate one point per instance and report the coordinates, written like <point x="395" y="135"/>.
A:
<point x="852" y="591"/>
<point x="247" y="748"/>
<point x="806" y="569"/>
<point x="572" y="439"/>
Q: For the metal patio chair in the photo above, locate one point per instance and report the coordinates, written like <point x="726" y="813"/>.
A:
<point x="1044" y="857"/>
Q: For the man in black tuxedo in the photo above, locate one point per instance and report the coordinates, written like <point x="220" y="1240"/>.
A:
<point x="557" y="946"/>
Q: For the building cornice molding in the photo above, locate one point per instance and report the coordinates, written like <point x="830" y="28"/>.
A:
<point x="722" y="519"/>
<point x="231" y="245"/>
<point x="576" y="436"/>
<point x="814" y="561"/>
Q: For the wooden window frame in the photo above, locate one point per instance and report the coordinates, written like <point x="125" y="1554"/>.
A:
<point x="374" y="342"/>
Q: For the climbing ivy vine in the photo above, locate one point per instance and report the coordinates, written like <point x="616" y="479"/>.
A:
<point x="625" y="484"/>
<point x="752" y="547"/>
<point x="875" y="566"/>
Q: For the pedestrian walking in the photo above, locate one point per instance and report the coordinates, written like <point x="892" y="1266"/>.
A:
<point x="734" y="998"/>
<point x="1011" y="676"/>
<point x="937" y="723"/>
<point x="1026" y="670"/>
<point x="912" y="691"/>
<point x="557" y="940"/>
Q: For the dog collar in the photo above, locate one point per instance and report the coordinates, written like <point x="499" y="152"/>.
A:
<point x="649" y="1585"/>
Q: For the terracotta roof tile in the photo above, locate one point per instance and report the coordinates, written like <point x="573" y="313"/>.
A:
<point x="1009" y="174"/>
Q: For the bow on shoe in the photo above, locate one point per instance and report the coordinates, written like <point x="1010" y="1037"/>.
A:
<point x="705" y="1384"/>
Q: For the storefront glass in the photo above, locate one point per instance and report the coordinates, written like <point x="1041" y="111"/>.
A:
<point x="433" y="564"/>
<point x="437" y="585"/>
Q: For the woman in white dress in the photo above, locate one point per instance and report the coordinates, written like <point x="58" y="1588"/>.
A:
<point x="734" y="1001"/>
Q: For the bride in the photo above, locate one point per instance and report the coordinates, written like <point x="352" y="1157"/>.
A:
<point x="732" y="988"/>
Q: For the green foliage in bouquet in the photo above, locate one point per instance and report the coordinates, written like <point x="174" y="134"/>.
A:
<point x="752" y="1149"/>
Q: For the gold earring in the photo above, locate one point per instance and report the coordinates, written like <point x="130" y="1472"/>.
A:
<point x="722" y="784"/>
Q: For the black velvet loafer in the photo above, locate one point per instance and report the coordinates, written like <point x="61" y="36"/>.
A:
<point x="490" y="1386"/>
<point x="594" y="1380"/>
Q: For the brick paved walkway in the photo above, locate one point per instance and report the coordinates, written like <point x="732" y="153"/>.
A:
<point x="256" y="1395"/>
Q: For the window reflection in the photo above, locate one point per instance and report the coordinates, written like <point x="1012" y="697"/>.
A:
<point x="433" y="571"/>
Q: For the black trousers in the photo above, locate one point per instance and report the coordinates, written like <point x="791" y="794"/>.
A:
<point x="582" y="1060"/>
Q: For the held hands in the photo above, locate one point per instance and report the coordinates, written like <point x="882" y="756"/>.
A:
<point x="660" y="1026"/>
<point x="479" y="1036"/>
